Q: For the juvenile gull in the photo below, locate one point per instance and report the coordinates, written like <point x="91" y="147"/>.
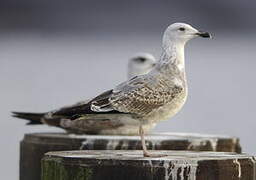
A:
<point x="136" y="104"/>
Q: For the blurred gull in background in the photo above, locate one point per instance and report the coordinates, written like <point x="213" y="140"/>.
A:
<point x="141" y="63"/>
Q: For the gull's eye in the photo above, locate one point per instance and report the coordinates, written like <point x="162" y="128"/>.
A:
<point x="182" y="29"/>
<point x="140" y="59"/>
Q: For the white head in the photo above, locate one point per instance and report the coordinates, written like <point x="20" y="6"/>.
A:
<point x="140" y="64"/>
<point x="181" y="33"/>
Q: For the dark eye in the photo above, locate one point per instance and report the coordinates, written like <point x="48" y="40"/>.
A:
<point x="140" y="59"/>
<point x="182" y="29"/>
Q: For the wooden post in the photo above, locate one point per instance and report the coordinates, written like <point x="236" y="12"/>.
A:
<point x="130" y="165"/>
<point x="34" y="146"/>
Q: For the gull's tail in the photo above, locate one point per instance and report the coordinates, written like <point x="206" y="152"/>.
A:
<point x="33" y="118"/>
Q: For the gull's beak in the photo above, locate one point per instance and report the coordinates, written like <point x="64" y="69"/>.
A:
<point x="204" y="34"/>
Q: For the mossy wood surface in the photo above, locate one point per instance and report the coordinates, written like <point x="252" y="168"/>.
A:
<point x="34" y="146"/>
<point x="130" y="165"/>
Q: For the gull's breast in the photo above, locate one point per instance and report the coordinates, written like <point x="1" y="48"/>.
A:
<point x="169" y="110"/>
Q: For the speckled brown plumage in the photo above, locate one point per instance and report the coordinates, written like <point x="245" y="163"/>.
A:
<point x="141" y="101"/>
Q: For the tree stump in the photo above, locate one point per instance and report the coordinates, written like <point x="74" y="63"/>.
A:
<point x="131" y="165"/>
<point x="34" y="146"/>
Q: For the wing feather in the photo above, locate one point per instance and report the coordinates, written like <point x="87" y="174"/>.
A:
<point x="141" y="96"/>
<point x="85" y="108"/>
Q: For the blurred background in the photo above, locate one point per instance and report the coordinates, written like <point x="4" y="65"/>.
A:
<point x="54" y="53"/>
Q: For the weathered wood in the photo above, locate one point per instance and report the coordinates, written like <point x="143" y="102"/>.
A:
<point x="35" y="145"/>
<point x="130" y="165"/>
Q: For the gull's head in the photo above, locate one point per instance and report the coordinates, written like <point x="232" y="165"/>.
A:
<point x="140" y="64"/>
<point x="181" y="32"/>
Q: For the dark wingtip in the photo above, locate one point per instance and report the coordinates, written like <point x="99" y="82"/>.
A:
<point x="33" y="118"/>
<point x="17" y="114"/>
<point x="14" y="112"/>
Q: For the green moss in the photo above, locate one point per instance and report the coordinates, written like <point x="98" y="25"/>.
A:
<point x="61" y="172"/>
<point x="54" y="169"/>
<point x="81" y="173"/>
<point x="48" y="167"/>
<point x="88" y="173"/>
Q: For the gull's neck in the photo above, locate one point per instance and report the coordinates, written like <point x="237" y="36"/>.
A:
<point x="173" y="55"/>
